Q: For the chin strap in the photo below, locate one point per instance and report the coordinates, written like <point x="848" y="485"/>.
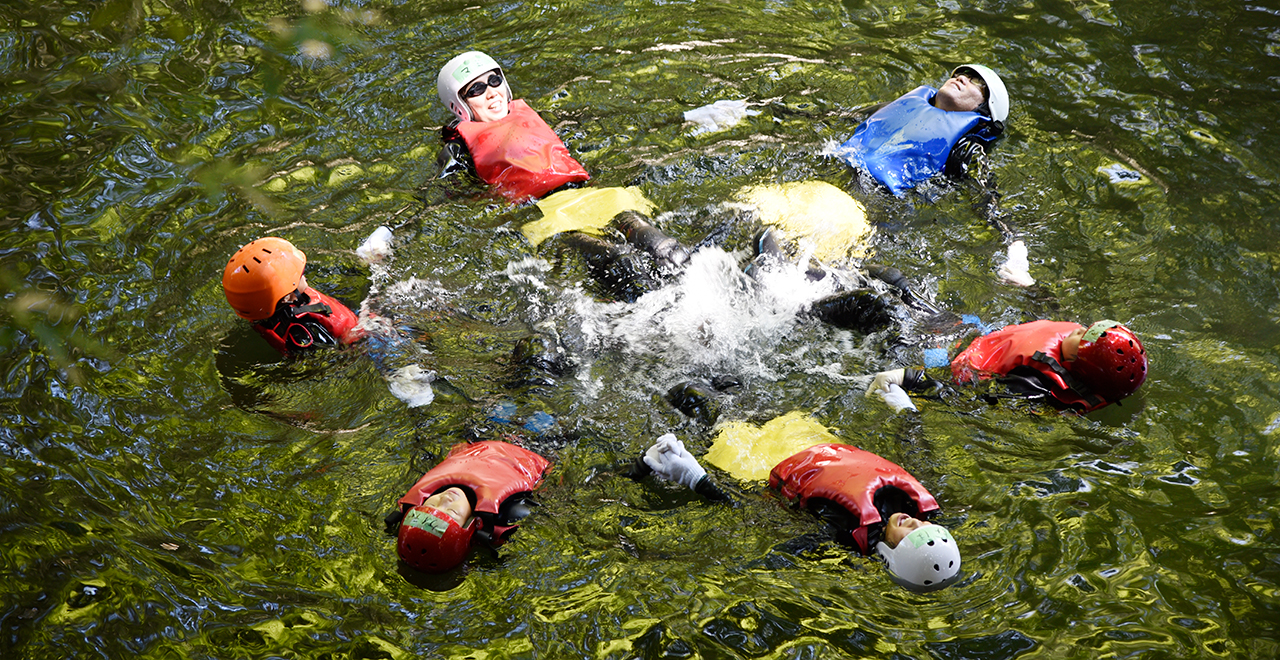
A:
<point x="314" y="308"/>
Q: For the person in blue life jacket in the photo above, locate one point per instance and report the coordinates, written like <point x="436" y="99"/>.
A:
<point x="928" y="131"/>
<point x="497" y="137"/>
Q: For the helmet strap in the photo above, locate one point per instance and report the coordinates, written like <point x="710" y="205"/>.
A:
<point x="314" y="308"/>
<point x="1072" y="382"/>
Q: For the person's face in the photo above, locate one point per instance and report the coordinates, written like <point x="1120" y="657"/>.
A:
<point x="899" y="526"/>
<point x="295" y="295"/>
<point x="962" y="92"/>
<point x="452" y="502"/>
<point x="488" y="102"/>
<point x="1071" y="345"/>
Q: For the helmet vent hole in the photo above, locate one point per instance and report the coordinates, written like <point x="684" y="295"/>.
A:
<point x="257" y="260"/>
<point x="928" y="582"/>
<point x="950" y="564"/>
<point x="937" y="568"/>
<point x="930" y="542"/>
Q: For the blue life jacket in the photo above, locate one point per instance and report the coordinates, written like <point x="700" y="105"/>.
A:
<point x="908" y="140"/>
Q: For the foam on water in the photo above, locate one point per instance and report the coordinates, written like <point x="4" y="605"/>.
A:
<point x="712" y="317"/>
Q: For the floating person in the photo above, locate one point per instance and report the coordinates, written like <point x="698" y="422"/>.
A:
<point x="928" y="131"/>
<point x="498" y="137"/>
<point x="264" y="283"/>
<point x="1064" y="364"/>
<point x="873" y="505"/>
<point x="479" y="493"/>
<point x="947" y="130"/>
<point x="506" y="144"/>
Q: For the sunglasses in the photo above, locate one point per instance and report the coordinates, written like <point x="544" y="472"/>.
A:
<point x="478" y="87"/>
<point x="973" y="78"/>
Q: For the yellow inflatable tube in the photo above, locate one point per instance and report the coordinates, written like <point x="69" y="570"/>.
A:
<point x="583" y="209"/>
<point x="749" y="452"/>
<point x="814" y="211"/>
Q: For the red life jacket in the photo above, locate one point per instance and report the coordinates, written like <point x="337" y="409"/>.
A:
<point x="1037" y="345"/>
<point x="298" y="331"/>
<point x="850" y="477"/>
<point x="493" y="471"/>
<point x="519" y="155"/>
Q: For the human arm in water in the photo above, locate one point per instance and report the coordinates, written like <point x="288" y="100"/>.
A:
<point x="669" y="460"/>
<point x="893" y="385"/>
<point x="454" y="156"/>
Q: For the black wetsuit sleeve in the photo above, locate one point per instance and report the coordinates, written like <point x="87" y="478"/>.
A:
<point x="710" y="490"/>
<point x="454" y="156"/>
<point x="919" y="382"/>
<point x="706" y="487"/>
<point x="516" y="508"/>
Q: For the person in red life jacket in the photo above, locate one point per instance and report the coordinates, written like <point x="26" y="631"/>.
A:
<point x="479" y="493"/>
<point x="264" y="284"/>
<point x="874" y="505"/>
<point x="1065" y="364"/>
<point x="498" y="137"/>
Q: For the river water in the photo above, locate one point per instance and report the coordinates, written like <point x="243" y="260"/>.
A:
<point x="171" y="489"/>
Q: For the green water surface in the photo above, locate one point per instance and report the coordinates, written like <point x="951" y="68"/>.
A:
<point x="171" y="489"/>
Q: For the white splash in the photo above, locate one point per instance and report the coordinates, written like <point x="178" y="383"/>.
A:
<point x="712" y="316"/>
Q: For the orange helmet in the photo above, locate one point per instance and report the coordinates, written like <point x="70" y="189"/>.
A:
<point x="1111" y="360"/>
<point x="431" y="541"/>
<point x="259" y="274"/>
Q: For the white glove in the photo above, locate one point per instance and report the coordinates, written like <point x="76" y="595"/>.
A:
<point x="669" y="460"/>
<point x="1015" y="269"/>
<point x="886" y="378"/>
<point x="896" y="397"/>
<point x="377" y="247"/>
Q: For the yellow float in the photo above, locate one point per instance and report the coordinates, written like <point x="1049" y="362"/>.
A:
<point x="749" y="452"/>
<point x="815" y="212"/>
<point x="583" y="209"/>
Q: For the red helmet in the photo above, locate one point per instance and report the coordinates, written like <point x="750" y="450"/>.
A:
<point x="259" y="274"/>
<point x="1111" y="360"/>
<point x="431" y="541"/>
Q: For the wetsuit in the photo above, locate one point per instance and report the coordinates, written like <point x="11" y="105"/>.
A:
<point x="853" y="489"/>
<point x="519" y="155"/>
<point x="908" y="140"/>
<point x="314" y="321"/>
<point x="497" y="477"/>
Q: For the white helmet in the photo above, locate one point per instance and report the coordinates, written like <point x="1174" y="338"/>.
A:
<point x="458" y="72"/>
<point x="997" y="95"/>
<point x="927" y="560"/>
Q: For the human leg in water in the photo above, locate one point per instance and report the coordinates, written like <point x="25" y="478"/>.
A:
<point x="863" y="310"/>
<point x="696" y="398"/>
<point x="640" y="232"/>
<point x="769" y="254"/>
<point x="622" y="272"/>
